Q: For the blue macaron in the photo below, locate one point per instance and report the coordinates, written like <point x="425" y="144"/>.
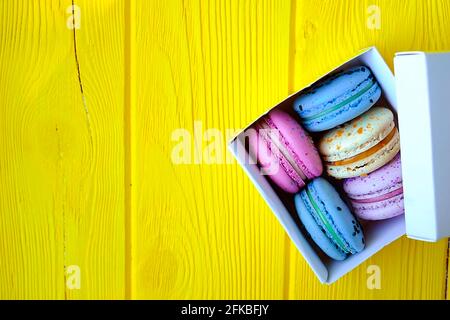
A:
<point x="328" y="220"/>
<point x="337" y="100"/>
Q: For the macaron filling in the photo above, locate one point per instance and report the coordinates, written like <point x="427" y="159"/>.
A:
<point x="335" y="237"/>
<point x="274" y="136"/>
<point x="383" y="197"/>
<point x="343" y="103"/>
<point x="366" y="153"/>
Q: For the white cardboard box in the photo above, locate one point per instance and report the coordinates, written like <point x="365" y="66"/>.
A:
<point x="424" y="132"/>
<point x="423" y="91"/>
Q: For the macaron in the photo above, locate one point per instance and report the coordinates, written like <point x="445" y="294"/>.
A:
<point x="362" y="145"/>
<point x="284" y="151"/>
<point x="337" y="100"/>
<point x="328" y="220"/>
<point x="379" y="195"/>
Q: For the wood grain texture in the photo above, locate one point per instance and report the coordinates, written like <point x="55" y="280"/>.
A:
<point x="31" y="225"/>
<point x="328" y="33"/>
<point x="87" y="173"/>
<point x="61" y="169"/>
<point x="201" y="230"/>
<point x="94" y="182"/>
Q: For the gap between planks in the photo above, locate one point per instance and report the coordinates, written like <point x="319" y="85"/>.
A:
<point x="129" y="103"/>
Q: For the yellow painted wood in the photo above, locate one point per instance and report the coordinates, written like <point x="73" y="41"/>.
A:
<point x="328" y="33"/>
<point x="61" y="168"/>
<point x="35" y="66"/>
<point x="91" y="182"/>
<point x="95" y="215"/>
<point x="202" y="231"/>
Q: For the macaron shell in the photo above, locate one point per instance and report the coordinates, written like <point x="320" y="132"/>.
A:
<point x="368" y="164"/>
<point x="356" y="89"/>
<point x="273" y="165"/>
<point x="345" y="225"/>
<point x="376" y="185"/>
<point x="382" y="181"/>
<point x="358" y="135"/>
<point x="380" y="210"/>
<point x="337" y="88"/>
<point x="299" y="143"/>
<point x="345" y="113"/>
<point x="331" y="202"/>
<point x="317" y="232"/>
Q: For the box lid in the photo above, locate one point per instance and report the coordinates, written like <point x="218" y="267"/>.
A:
<point x="423" y="101"/>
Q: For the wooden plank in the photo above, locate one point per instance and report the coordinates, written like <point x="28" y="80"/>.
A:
<point x="33" y="81"/>
<point x="201" y="231"/>
<point x="328" y="33"/>
<point x="95" y="215"/>
<point x="61" y="168"/>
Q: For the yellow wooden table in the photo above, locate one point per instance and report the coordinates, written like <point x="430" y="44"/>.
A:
<point x="92" y="204"/>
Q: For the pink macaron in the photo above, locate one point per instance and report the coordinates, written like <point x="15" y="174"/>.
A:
<point x="378" y="195"/>
<point x="284" y="151"/>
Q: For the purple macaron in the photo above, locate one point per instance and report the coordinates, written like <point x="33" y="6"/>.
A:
<point x="378" y="195"/>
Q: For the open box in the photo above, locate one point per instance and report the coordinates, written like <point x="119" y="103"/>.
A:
<point x="419" y="97"/>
